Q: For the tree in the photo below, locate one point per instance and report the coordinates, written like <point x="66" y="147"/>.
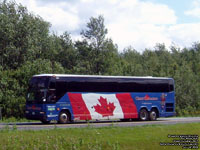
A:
<point x="132" y="62"/>
<point x="23" y="35"/>
<point x="96" y="33"/>
<point x="101" y="48"/>
<point x="14" y="85"/>
<point x="84" y="57"/>
<point x="67" y="56"/>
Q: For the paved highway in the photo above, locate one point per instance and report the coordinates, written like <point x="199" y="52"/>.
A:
<point x="39" y="126"/>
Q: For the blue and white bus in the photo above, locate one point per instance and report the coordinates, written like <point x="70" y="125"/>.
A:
<point x="67" y="98"/>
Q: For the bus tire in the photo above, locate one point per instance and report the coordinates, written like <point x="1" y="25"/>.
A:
<point x="64" y="117"/>
<point x="153" y="115"/>
<point x="143" y="115"/>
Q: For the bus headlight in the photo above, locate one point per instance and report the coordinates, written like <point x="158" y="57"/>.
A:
<point x="42" y="112"/>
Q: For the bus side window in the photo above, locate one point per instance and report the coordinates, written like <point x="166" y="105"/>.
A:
<point x="51" y="95"/>
<point x="61" y="88"/>
<point x="52" y="85"/>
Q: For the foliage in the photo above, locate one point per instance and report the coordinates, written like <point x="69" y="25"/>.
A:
<point x="23" y="35"/>
<point x="101" y="48"/>
<point x="28" y="48"/>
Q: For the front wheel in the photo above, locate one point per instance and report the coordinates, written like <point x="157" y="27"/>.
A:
<point x="143" y="115"/>
<point x="153" y="115"/>
<point x="64" y="117"/>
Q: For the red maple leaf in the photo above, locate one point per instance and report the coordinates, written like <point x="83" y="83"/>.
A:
<point x="146" y="97"/>
<point x="104" y="108"/>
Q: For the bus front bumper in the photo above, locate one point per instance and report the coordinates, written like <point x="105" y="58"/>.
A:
<point x="30" y="115"/>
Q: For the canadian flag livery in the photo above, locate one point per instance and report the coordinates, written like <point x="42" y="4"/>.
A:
<point x="88" y="106"/>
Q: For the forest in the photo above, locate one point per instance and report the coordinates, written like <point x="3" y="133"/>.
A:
<point x="28" y="47"/>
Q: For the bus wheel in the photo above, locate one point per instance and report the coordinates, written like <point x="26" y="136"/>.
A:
<point x="153" y="115"/>
<point x="64" y="117"/>
<point x="143" y="115"/>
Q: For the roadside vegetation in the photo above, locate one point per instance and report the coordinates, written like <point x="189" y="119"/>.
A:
<point x="14" y="120"/>
<point x="106" y="138"/>
<point x="27" y="48"/>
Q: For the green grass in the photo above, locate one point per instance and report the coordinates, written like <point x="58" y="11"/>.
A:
<point x="14" y="120"/>
<point x="106" y="138"/>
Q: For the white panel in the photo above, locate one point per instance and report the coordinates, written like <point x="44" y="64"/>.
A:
<point x="92" y="99"/>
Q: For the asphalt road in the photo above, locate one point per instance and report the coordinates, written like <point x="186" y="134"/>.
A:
<point x="40" y="126"/>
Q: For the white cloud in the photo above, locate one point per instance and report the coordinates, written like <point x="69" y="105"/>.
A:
<point x="129" y="22"/>
<point x="196" y="3"/>
<point x="185" y="34"/>
<point x="62" y="15"/>
<point x="195" y="11"/>
<point x="140" y="36"/>
<point x="86" y="1"/>
<point x="139" y="24"/>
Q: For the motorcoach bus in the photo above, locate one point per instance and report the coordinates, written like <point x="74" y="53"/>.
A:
<point x="67" y="98"/>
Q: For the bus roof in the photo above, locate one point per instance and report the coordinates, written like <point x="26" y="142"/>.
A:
<point x="100" y="76"/>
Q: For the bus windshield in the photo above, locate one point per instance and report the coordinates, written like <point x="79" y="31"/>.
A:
<point x="38" y="89"/>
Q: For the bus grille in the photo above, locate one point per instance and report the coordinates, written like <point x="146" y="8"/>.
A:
<point x="169" y="107"/>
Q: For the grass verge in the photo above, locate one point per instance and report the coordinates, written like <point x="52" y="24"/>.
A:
<point x="16" y="120"/>
<point x="107" y="138"/>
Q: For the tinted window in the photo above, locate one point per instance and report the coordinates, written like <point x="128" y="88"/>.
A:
<point x="37" y="89"/>
<point x="39" y="82"/>
<point x="85" y="84"/>
<point x="92" y="86"/>
<point x="61" y="88"/>
<point x="52" y="84"/>
<point x="36" y="96"/>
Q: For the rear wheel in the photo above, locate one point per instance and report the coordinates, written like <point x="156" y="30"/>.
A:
<point x="143" y="115"/>
<point x="64" y="117"/>
<point x="153" y="115"/>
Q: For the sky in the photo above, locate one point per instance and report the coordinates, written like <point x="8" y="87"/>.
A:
<point x="137" y="23"/>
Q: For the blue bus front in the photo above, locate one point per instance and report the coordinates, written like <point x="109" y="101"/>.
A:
<point x="41" y="100"/>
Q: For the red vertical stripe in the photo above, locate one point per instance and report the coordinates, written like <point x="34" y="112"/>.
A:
<point x="128" y="106"/>
<point x="79" y="107"/>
